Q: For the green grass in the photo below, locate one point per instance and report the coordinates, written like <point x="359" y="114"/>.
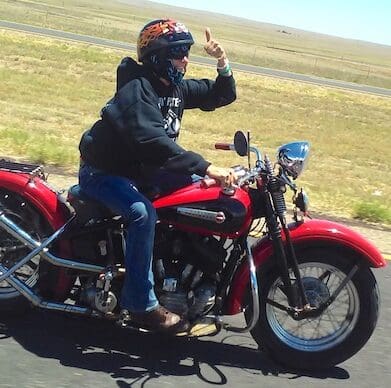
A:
<point x="245" y="41"/>
<point x="373" y="212"/>
<point x="52" y="91"/>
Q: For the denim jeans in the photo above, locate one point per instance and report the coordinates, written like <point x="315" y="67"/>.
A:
<point x="120" y="194"/>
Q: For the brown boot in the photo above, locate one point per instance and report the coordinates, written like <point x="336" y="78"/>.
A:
<point x="160" y="319"/>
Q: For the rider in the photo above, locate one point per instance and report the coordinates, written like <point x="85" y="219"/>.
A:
<point x="134" y="143"/>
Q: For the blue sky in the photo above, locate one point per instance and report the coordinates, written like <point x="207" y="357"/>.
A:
<point x="354" y="19"/>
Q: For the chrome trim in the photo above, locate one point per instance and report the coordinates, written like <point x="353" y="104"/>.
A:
<point x="254" y="294"/>
<point x="6" y="223"/>
<point x="40" y="248"/>
<point x="293" y="157"/>
<point x="37" y="301"/>
<point x="207" y="215"/>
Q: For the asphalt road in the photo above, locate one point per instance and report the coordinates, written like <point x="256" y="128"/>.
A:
<point x="45" y="349"/>
<point x="200" y="60"/>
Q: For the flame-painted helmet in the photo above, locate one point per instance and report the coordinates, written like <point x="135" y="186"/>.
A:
<point x="161" y="41"/>
<point x="160" y="34"/>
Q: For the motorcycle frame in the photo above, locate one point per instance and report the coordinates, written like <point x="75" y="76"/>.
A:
<point x="52" y="207"/>
<point x="42" y="249"/>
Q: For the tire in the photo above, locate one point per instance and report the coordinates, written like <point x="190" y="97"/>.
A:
<point x="338" y="333"/>
<point x="22" y="213"/>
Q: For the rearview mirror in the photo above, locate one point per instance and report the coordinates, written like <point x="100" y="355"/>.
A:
<point x="240" y="143"/>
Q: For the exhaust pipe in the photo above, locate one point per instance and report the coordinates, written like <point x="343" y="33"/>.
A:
<point x="37" y="301"/>
<point x="41" y="249"/>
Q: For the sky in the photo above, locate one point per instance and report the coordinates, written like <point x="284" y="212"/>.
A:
<point x="353" y="19"/>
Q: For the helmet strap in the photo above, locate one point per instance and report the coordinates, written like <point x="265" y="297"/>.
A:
<point x="164" y="67"/>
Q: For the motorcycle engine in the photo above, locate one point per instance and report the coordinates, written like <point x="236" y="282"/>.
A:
<point x="186" y="270"/>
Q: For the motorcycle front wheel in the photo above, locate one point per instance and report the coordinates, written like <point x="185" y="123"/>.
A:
<point x="333" y="336"/>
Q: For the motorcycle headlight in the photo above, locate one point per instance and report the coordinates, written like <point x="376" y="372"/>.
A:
<point x="292" y="157"/>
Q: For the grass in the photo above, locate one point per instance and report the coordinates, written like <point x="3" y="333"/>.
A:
<point x="246" y="42"/>
<point x="372" y="211"/>
<point x="52" y="91"/>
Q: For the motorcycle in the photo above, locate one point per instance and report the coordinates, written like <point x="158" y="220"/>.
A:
<point x="305" y="287"/>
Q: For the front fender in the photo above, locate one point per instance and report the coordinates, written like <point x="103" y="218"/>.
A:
<point x="309" y="233"/>
<point x="47" y="201"/>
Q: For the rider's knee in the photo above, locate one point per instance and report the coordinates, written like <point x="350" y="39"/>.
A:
<point x="142" y="214"/>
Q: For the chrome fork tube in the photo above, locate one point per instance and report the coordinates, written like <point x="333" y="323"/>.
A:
<point x="40" y="248"/>
<point x="254" y="294"/>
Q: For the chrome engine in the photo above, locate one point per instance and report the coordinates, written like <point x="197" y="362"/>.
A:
<point x="97" y="293"/>
<point x="186" y="270"/>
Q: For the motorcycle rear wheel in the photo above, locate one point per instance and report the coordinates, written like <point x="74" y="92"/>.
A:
<point x="25" y="215"/>
<point x="334" y="336"/>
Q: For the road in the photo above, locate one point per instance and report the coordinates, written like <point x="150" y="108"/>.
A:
<point x="45" y="349"/>
<point x="200" y="60"/>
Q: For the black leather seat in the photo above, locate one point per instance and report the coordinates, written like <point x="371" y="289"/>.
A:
<point x="87" y="208"/>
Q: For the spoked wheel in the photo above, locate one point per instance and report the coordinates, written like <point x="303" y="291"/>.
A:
<point x="327" y="338"/>
<point x="12" y="250"/>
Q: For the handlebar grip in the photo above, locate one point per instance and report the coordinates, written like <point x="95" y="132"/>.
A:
<point x="223" y="146"/>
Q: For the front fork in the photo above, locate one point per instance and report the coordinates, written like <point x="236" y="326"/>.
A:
<point x="285" y="254"/>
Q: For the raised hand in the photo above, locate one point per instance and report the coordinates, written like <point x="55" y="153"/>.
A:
<point x="213" y="47"/>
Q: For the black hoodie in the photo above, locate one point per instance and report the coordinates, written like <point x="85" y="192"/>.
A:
<point x="138" y="125"/>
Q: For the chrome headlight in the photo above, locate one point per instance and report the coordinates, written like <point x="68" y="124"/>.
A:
<point x="293" y="157"/>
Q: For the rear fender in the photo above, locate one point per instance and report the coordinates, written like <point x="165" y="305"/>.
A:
<point x="313" y="233"/>
<point x="57" y="282"/>
<point x="46" y="200"/>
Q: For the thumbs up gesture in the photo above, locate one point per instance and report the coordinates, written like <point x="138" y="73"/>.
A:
<point x="212" y="47"/>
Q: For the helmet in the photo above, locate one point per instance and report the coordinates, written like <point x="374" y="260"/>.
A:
<point x="160" y="34"/>
<point x="159" y="42"/>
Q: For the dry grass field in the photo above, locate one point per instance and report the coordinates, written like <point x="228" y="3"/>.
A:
<point x="248" y="42"/>
<point x="52" y="91"/>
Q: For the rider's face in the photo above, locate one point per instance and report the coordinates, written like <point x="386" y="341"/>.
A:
<point x="181" y="64"/>
<point x="179" y="56"/>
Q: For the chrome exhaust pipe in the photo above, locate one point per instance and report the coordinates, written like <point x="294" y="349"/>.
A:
<point x="37" y="301"/>
<point x="41" y="249"/>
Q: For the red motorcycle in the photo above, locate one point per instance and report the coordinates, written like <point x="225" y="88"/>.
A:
<point x="306" y="287"/>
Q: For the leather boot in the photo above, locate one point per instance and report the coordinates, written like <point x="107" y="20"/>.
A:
<point x="160" y="319"/>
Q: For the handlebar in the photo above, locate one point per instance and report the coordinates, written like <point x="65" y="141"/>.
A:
<point x="224" y="147"/>
<point x="231" y="147"/>
<point x="243" y="177"/>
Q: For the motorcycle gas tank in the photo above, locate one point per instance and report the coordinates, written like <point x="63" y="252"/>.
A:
<point x="206" y="210"/>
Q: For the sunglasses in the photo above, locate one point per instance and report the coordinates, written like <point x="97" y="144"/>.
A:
<point x="178" y="52"/>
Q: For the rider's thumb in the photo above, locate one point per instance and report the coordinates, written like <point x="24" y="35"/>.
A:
<point x="207" y="34"/>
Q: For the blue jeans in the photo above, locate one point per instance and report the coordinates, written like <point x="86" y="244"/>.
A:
<point x="122" y="197"/>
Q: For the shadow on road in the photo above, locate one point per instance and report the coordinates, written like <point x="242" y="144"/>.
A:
<point x="130" y="357"/>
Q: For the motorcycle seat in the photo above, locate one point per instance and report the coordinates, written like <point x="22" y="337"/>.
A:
<point x="87" y="208"/>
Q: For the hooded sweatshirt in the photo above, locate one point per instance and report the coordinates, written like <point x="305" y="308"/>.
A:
<point x="139" y="126"/>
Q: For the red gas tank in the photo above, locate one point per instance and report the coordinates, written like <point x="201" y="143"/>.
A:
<point x="206" y="210"/>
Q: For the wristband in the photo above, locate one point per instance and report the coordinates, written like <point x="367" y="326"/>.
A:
<point x="226" y="64"/>
<point x="224" y="70"/>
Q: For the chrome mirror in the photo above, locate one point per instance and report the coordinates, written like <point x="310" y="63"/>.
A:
<point x="293" y="157"/>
